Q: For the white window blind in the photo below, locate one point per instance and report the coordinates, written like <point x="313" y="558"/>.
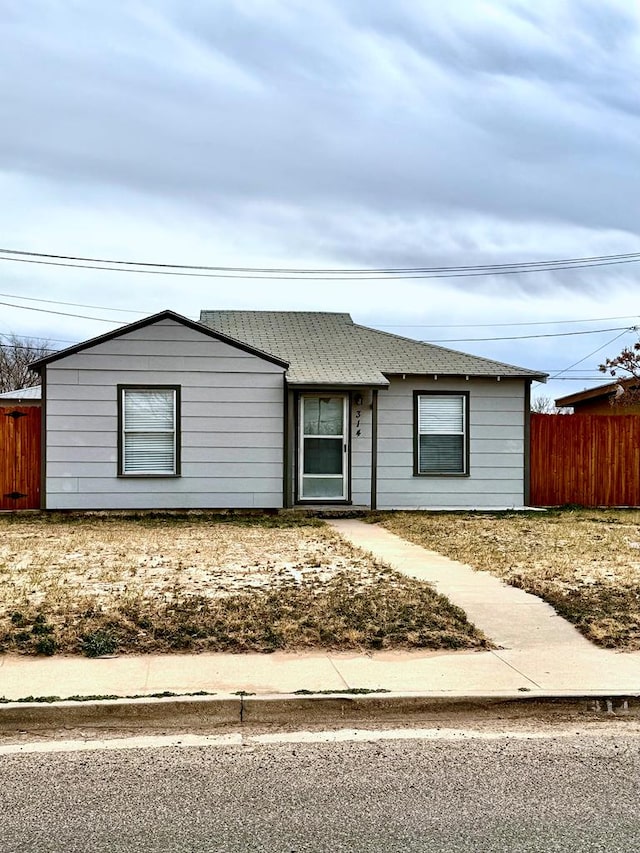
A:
<point x="441" y="434"/>
<point x="149" y="431"/>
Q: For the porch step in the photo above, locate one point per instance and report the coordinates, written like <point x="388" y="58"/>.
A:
<point x="324" y="511"/>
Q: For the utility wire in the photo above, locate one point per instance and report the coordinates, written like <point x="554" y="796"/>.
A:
<point x="559" y="370"/>
<point x="77" y="304"/>
<point x="613" y="340"/>
<point x="627" y="257"/>
<point x="5" y="344"/>
<point x="379" y="325"/>
<point x="59" y="313"/>
<point x="445" y="340"/>
<point x="529" y="337"/>
<point x="584" y="358"/>
<point x="497" y="325"/>
<point x="327" y="276"/>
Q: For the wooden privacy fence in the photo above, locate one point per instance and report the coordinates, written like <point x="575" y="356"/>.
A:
<point x="19" y="457"/>
<point x="590" y="460"/>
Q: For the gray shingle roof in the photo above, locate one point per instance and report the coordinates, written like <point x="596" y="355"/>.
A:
<point x="330" y="349"/>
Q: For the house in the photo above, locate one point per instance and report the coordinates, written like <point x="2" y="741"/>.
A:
<point x="262" y="409"/>
<point x="604" y="399"/>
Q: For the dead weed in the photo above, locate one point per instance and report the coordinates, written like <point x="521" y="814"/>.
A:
<point x="585" y="563"/>
<point x="99" y="585"/>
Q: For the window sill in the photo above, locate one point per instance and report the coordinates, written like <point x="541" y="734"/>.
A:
<point x="440" y="476"/>
<point x="323" y="502"/>
<point x="122" y="476"/>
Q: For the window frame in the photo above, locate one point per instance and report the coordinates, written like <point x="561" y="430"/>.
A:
<point x="177" y="433"/>
<point x="465" y="395"/>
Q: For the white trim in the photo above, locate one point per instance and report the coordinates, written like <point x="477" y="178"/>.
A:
<point x="149" y="431"/>
<point x="424" y="427"/>
<point x="345" y="448"/>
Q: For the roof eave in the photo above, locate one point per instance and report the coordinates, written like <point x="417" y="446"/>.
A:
<point x="584" y="396"/>
<point x="300" y="384"/>
<point x="534" y="377"/>
<point x="167" y="314"/>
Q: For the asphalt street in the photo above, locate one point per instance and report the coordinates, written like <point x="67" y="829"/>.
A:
<point x="477" y="791"/>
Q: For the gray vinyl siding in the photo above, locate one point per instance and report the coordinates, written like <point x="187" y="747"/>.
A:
<point x="496" y="447"/>
<point x="361" y="450"/>
<point x="231" y="423"/>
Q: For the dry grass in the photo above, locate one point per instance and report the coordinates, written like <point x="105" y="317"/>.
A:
<point x="98" y="584"/>
<point x="586" y="563"/>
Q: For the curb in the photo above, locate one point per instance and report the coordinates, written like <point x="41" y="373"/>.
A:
<point x="197" y="713"/>
<point x="405" y="708"/>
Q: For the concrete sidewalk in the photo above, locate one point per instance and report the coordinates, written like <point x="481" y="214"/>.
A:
<point x="540" y="654"/>
<point x="413" y="673"/>
<point x="545" y="650"/>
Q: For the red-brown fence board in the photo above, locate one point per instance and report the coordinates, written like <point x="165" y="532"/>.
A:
<point x="590" y="460"/>
<point x="20" y="457"/>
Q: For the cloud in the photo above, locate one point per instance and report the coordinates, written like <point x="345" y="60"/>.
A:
<point x="491" y="110"/>
<point x="339" y="133"/>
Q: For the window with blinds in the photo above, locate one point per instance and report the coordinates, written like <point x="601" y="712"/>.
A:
<point x="148" y="433"/>
<point x="441" y="441"/>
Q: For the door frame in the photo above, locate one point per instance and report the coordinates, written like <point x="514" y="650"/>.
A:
<point x="299" y="446"/>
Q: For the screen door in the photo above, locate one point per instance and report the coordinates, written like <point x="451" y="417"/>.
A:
<point x="323" y="447"/>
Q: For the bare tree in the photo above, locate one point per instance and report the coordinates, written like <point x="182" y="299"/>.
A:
<point x="546" y="406"/>
<point x="16" y="354"/>
<point x="624" y="367"/>
<point x="543" y="406"/>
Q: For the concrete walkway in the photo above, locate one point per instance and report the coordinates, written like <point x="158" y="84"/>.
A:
<point x="512" y="618"/>
<point x="542" y="647"/>
<point x="540" y="654"/>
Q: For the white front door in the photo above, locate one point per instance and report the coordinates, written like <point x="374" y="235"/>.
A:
<point x="323" y="447"/>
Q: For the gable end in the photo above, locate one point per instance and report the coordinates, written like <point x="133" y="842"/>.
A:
<point x="149" y="321"/>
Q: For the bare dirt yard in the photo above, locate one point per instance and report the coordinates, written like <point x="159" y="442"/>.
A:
<point x="100" y="584"/>
<point x="586" y="563"/>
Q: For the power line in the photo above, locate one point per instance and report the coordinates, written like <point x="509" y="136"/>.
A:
<point x="566" y="370"/>
<point x="598" y="349"/>
<point x="497" y="325"/>
<point x="4" y="345"/>
<point x="72" y="304"/>
<point x="327" y="275"/>
<point x="30" y="336"/>
<point x="59" y="313"/>
<point x="437" y="341"/>
<point x="381" y="325"/>
<point x="529" y="337"/>
<point x="627" y="257"/>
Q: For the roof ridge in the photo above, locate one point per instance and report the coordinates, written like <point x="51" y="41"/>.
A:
<point x="276" y="311"/>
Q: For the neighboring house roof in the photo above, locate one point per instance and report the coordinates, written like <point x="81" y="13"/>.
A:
<point x="600" y="391"/>
<point x="330" y="349"/>
<point x="32" y="393"/>
<point x="148" y="321"/>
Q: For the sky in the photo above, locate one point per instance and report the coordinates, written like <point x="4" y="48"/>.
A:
<point x="335" y="134"/>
